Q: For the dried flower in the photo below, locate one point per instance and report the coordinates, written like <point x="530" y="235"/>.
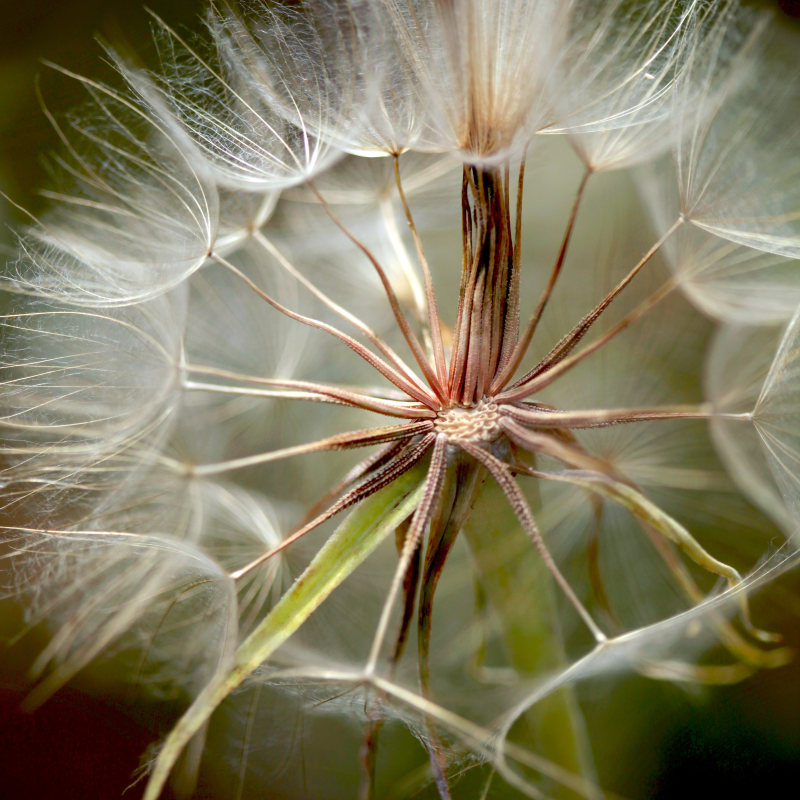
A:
<point x="325" y="217"/>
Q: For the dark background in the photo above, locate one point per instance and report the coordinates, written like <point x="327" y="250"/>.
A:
<point x="64" y="32"/>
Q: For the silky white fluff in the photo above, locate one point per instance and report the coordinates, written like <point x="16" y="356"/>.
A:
<point x="217" y="219"/>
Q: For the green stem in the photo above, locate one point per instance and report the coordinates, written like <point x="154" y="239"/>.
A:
<point x="346" y="549"/>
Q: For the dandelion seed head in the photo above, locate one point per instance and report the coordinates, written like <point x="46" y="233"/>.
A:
<point x="303" y="291"/>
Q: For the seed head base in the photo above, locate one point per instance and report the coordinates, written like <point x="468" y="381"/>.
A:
<point x="479" y="424"/>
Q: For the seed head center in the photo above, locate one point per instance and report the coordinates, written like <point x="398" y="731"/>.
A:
<point x="480" y="423"/>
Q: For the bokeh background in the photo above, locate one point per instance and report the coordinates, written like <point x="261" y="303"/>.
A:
<point x="734" y="742"/>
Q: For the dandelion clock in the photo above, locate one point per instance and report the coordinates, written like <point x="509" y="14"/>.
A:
<point x="387" y="383"/>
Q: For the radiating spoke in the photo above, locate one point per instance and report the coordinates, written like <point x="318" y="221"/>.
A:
<point x="571" y="339"/>
<point x="320" y="392"/>
<point x="377" y="459"/>
<point x="384" y="348"/>
<point x="374" y="361"/>
<point x="411" y="339"/>
<point x="381" y="477"/>
<point x="434" y="323"/>
<point x="416" y="530"/>
<point x="502" y="475"/>
<point x="546" y="373"/>
<point x="599" y="418"/>
<point x="522" y="345"/>
<point x="342" y="441"/>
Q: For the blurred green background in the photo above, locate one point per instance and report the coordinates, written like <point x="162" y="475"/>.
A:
<point x="734" y="742"/>
<point x="64" y="32"/>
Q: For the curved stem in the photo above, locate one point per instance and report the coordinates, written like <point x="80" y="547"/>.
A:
<point x="653" y="517"/>
<point x="551" y="444"/>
